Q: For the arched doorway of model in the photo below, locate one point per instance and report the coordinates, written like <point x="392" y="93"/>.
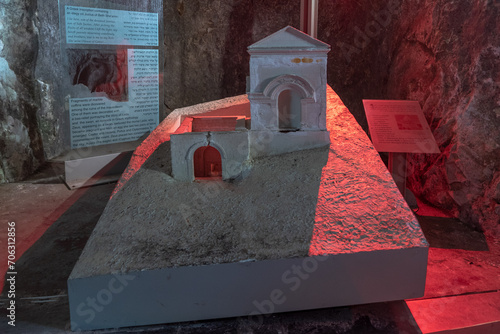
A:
<point x="207" y="163"/>
<point x="289" y="109"/>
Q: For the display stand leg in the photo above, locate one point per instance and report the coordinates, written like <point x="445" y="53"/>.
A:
<point x="309" y="17"/>
<point x="397" y="167"/>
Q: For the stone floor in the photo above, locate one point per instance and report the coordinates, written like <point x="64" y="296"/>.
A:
<point x="53" y="224"/>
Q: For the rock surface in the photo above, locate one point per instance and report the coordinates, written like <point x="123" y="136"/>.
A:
<point x="52" y="120"/>
<point x="206" y="45"/>
<point x="21" y="149"/>
<point x="205" y="55"/>
<point x="444" y="55"/>
<point x="333" y="200"/>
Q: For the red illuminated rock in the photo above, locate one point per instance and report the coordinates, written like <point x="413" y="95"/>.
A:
<point x="444" y="55"/>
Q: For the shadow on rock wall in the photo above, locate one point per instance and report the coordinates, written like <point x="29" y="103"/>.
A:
<point x="359" y="61"/>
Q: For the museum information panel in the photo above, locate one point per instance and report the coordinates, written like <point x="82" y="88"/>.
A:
<point x="117" y="27"/>
<point x="399" y="126"/>
<point x="111" y="53"/>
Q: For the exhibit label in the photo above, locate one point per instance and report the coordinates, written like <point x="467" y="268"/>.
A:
<point x="399" y="126"/>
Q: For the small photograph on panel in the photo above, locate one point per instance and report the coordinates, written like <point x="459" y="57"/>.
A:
<point x="104" y="71"/>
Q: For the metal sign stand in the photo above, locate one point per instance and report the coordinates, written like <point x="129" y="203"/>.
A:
<point x="309" y="17"/>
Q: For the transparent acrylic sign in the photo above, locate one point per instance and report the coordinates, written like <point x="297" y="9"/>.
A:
<point x="112" y="57"/>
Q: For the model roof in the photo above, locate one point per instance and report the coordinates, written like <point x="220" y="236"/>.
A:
<point x="289" y="38"/>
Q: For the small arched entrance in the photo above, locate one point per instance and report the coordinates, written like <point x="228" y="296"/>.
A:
<point x="289" y="109"/>
<point x="207" y="163"/>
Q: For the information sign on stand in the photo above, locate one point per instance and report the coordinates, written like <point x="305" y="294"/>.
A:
<point x="111" y="52"/>
<point x="399" y="127"/>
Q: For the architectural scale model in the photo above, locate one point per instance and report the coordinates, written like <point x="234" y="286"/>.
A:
<point x="273" y="201"/>
<point x="287" y="93"/>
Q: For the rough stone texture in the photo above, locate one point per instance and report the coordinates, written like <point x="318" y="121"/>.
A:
<point x="447" y="59"/>
<point x="206" y="45"/>
<point x="53" y="123"/>
<point x="324" y="201"/>
<point x="205" y="55"/>
<point x="444" y="55"/>
<point x="165" y="223"/>
<point x="21" y="149"/>
<point x="357" y="63"/>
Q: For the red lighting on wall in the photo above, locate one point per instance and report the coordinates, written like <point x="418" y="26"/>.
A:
<point x="207" y="163"/>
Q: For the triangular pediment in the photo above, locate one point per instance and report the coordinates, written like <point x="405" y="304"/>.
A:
<point x="289" y="38"/>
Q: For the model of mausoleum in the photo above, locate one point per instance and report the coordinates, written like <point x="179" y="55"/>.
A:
<point x="287" y="93"/>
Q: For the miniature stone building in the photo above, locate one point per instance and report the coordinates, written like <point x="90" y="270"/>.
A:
<point x="287" y="94"/>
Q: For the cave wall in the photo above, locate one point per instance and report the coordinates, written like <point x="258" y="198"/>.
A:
<point x="359" y="62"/>
<point x="21" y="149"/>
<point x="206" y="59"/>
<point x="52" y="122"/>
<point x="444" y="54"/>
<point x="206" y="45"/>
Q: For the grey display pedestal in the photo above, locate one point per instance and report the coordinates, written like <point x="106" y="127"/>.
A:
<point x="96" y="165"/>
